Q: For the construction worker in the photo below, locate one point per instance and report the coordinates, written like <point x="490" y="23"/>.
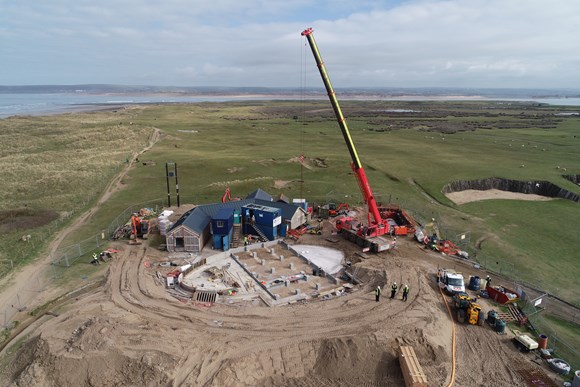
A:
<point x="487" y="281"/>
<point x="95" y="259"/>
<point x="405" y="292"/>
<point x="377" y="293"/>
<point x="394" y="290"/>
<point x="245" y="240"/>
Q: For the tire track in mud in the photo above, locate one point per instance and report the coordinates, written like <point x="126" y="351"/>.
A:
<point x="253" y="332"/>
<point x="277" y="328"/>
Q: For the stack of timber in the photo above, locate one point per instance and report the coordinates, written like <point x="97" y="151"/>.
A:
<point x="412" y="371"/>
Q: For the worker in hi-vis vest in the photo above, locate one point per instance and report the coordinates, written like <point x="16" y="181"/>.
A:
<point x="393" y="290"/>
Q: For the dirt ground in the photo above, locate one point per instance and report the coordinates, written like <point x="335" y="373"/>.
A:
<point x="131" y="332"/>
<point x="471" y="195"/>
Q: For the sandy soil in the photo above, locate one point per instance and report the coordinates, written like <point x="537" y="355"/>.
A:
<point x="131" y="332"/>
<point x="471" y="195"/>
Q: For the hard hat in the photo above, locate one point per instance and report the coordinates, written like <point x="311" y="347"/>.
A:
<point x="394" y="283"/>
<point x="378" y="287"/>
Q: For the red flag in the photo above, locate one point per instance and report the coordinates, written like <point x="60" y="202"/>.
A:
<point x="301" y="158"/>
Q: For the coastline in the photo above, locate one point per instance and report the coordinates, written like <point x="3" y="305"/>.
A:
<point x="66" y="103"/>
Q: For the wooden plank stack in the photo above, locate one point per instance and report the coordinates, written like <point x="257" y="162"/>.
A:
<point x="412" y="371"/>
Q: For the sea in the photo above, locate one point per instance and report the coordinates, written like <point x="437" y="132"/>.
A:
<point x="57" y="103"/>
<point x="35" y="104"/>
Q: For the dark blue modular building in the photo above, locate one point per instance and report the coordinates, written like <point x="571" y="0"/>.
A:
<point x="222" y="228"/>
<point x="258" y="219"/>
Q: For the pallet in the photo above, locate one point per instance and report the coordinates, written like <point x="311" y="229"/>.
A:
<point x="518" y="315"/>
<point x="412" y="371"/>
<point x="507" y="317"/>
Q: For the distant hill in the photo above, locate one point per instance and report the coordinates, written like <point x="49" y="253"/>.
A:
<point x="211" y="90"/>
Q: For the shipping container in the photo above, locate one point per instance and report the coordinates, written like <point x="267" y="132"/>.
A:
<point x="262" y="215"/>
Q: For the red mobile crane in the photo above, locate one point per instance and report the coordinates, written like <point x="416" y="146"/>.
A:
<point x="365" y="236"/>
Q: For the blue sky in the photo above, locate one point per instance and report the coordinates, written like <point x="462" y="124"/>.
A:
<point x="415" y="43"/>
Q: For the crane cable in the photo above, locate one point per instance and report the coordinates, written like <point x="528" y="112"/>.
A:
<point x="452" y="340"/>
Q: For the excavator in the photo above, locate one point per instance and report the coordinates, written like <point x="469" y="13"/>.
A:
<point x="335" y="210"/>
<point x="227" y="197"/>
<point x="139" y="228"/>
<point x="368" y="236"/>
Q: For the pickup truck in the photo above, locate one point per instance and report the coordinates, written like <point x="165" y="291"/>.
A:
<point x="450" y="281"/>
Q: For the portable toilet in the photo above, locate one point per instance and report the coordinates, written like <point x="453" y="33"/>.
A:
<point x="237" y="217"/>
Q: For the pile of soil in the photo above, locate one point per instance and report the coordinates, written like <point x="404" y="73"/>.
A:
<point x="131" y="332"/>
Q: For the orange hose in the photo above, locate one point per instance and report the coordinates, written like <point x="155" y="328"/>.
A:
<point x="452" y="340"/>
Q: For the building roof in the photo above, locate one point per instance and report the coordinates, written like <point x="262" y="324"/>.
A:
<point x="198" y="218"/>
<point x="281" y="198"/>
<point x="195" y="219"/>
<point x="288" y="210"/>
<point x="260" y="194"/>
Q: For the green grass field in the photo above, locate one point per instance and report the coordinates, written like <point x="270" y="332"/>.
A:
<point x="63" y="162"/>
<point x="56" y="165"/>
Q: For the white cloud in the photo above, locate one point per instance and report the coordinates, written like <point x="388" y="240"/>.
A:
<point x="473" y="43"/>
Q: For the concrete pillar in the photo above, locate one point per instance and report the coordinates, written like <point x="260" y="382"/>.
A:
<point x="272" y="270"/>
<point x="317" y="286"/>
<point x="291" y="266"/>
<point x="254" y="254"/>
<point x="286" y="283"/>
<point x="262" y="262"/>
<point x="297" y="291"/>
<point x="281" y="258"/>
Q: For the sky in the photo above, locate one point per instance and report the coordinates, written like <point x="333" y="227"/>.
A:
<point x="257" y="43"/>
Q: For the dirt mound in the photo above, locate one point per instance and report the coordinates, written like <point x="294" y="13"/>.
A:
<point x="37" y="364"/>
<point x="372" y="360"/>
<point x="310" y="162"/>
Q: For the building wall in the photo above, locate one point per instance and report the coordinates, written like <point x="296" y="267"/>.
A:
<point x="298" y="219"/>
<point x="192" y="242"/>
